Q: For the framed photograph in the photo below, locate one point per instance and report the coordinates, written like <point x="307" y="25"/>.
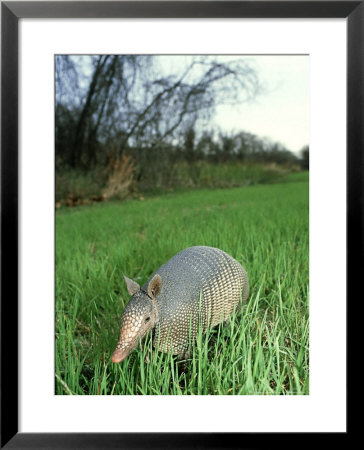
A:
<point x="204" y="160"/>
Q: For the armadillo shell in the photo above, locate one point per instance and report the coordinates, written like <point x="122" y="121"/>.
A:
<point x="199" y="285"/>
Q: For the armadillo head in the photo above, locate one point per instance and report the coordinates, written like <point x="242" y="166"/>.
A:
<point x="140" y="315"/>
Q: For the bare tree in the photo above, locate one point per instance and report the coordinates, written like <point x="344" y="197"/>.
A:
<point x="128" y="101"/>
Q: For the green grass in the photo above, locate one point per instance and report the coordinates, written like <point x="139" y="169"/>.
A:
<point x="264" y="349"/>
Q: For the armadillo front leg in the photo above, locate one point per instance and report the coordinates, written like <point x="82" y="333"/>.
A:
<point x="149" y="357"/>
<point x="226" y="323"/>
<point x="182" y="361"/>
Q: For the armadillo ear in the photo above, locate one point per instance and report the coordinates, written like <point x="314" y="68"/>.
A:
<point x="155" y="286"/>
<point x="132" y="286"/>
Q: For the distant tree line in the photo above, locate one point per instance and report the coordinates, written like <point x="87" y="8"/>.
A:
<point x="242" y="146"/>
<point x="305" y="158"/>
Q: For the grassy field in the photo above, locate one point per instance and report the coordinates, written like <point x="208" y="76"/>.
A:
<point x="264" y="350"/>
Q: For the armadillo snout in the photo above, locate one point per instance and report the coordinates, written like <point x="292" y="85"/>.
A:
<point x="128" y="340"/>
<point x="119" y="355"/>
<point x="137" y="319"/>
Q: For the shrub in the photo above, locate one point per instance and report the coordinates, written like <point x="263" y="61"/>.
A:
<point x="121" y="179"/>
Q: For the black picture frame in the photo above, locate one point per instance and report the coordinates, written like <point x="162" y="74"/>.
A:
<point x="11" y="12"/>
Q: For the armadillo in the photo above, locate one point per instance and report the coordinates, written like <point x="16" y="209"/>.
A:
<point x="198" y="286"/>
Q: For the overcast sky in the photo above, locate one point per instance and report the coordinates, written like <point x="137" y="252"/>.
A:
<point x="282" y="111"/>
